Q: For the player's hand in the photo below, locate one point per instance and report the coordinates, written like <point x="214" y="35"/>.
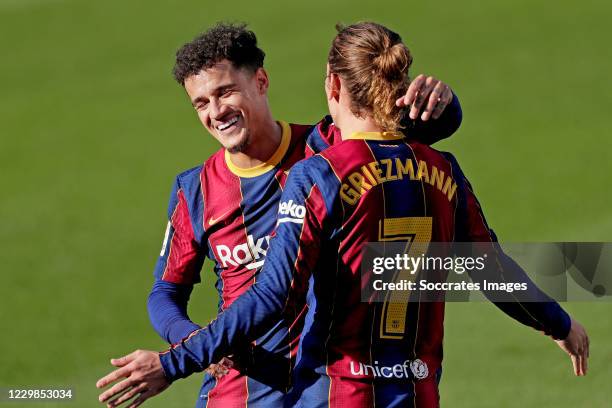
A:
<point x="144" y="378"/>
<point x="221" y="368"/>
<point x="428" y="94"/>
<point x="576" y="344"/>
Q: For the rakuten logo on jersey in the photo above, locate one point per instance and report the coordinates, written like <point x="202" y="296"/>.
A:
<point x="291" y="212"/>
<point x="251" y="254"/>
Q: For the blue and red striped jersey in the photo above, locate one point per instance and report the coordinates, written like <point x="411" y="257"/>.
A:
<point x="225" y="213"/>
<point x="354" y="353"/>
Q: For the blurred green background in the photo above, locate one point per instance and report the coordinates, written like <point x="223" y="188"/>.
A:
<point x="93" y="130"/>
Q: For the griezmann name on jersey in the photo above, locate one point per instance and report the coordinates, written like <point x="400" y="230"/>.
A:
<point x="357" y="191"/>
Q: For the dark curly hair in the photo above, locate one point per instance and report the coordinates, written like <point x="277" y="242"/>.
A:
<point x="232" y="42"/>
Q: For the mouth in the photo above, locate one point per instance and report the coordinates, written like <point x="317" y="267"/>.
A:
<point x="228" y="125"/>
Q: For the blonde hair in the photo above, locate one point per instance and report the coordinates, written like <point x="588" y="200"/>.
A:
<point x="374" y="64"/>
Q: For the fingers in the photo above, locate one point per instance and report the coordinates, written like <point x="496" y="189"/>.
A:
<point x="435" y="101"/>
<point x="112" y="377"/>
<point x="226" y="363"/>
<point x="427" y="93"/>
<point x="585" y="355"/>
<point x="422" y="95"/>
<point x="445" y="99"/>
<point x="220" y="369"/>
<point x="141" y="398"/>
<point x="588" y="346"/>
<point x="412" y="92"/>
<point x="581" y="365"/>
<point x="580" y="361"/>
<point x="120" y="362"/>
<point x="115" y="389"/>
<point x="574" y="359"/>
<point x="127" y="395"/>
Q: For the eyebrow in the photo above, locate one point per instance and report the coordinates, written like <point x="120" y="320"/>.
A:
<point x="217" y="90"/>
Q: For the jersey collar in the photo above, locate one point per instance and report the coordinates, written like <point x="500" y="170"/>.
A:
<point x="376" y="135"/>
<point x="269" y="164"/>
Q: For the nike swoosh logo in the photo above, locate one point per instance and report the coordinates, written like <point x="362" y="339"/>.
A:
<point x="213" y="221"/>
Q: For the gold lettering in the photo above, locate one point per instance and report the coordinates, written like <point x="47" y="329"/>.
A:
<point x="437" y="177"/>
<point x="375" y="167"/>
<point x="404" y="169"/>
<point x="449" y="188"/>
<point x="348" y="194"/>
<point x="367" y="173"/>
<point x="423" y="174"/>
<point x="359" y="183"/>
<point x="389" y="174"/>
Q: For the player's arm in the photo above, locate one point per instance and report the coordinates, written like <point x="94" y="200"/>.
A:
<point x="167" y="307"/>
<point x="433" y="113"/>
<point x="541" y="312"/>
<point x="176" y="271"/>
<point x="292" y="254"/>
<point x="293" y="251"/>
<point x="433" y="110"/>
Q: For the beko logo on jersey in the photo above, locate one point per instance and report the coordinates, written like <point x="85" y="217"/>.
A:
<point x="291" y="212"/>
<point x="417" y="367"/>
<point x="250" y="254"/>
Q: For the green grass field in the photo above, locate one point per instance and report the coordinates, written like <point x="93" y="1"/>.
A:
<point x="93" y="130"/>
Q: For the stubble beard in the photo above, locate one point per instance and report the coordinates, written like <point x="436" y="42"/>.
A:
<point x="241" y="146"/>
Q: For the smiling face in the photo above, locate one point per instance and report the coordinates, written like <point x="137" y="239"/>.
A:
<point x="230" y="102"/>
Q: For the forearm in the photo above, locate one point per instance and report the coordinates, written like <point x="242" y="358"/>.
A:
<point x="167" y="306"/>
<point x="250" y="316"/>
<point x="532" y="307"/>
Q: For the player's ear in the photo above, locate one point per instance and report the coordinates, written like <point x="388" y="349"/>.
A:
<point x="335" y="85"/>
<point x="263" y="82"/>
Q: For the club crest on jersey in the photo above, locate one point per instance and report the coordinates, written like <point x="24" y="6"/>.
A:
<point x="291" y="212"/>
<point x="251" y="254"/>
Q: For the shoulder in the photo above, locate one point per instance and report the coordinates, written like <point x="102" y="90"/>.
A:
<point x="454" y="163"/>
<point x="313" y="168"/>
<point x="300" y="131"/>
<point x="188" y="181"/>
<point x="425" y="150"/>
<point x="189" y="176"/>
<point x="320" y="136"/>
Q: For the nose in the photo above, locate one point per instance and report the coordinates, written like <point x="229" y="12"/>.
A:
<point x="214" y="108"/>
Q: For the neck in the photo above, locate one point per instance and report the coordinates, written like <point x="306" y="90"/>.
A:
<point x="263" y="142"/>
<point x="354" y="124"/>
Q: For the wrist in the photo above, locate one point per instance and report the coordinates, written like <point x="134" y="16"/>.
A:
<point x="165" y="359"/>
